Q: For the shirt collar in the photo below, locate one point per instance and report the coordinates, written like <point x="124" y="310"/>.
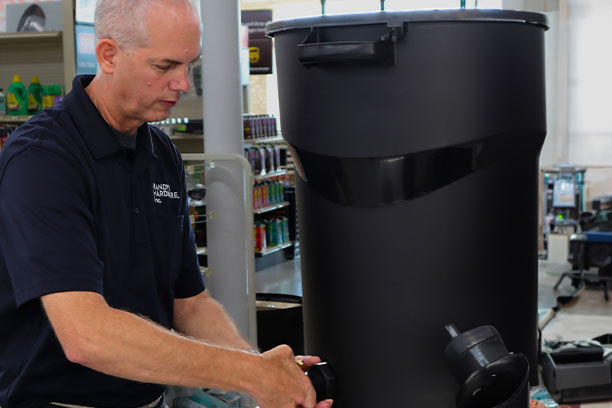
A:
<point x="92" y="126"/>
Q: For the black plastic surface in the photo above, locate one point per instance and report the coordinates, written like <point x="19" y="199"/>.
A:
<point x="473" y="350"/>
<point x="380" y="282"/>
<point x="397" y="18"/>
<point x="323" y="381"/>
<point x="373" y="182"/>
<point x="280" y="325"/>
<point x="496" y="384"/>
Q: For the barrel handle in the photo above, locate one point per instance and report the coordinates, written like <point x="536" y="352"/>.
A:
<point x="381" y="51"/>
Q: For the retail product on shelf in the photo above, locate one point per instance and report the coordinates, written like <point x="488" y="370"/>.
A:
<point x="35" y="96"/>
<point x="2" y="103"/>
<point x="264" y="159"/>
<point x="17" y="98"/>
<point x="197" y="217"/>
<point x="271" y="232"/>
<point x="52" y="94"/>
<point x="258" y="126"/>
<point x="268" y="193"/>
<point x="261" y="243"/>
<point x="5" y="131"/>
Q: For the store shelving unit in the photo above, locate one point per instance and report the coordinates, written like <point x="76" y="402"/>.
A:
<point x="186" y="136"/>
<point x="273" y="207"/>
<point x="205" y="271"/>
<point x="270" y="175"/>
<point x="263" y="140"/>
<point x="31" y="37"/>
<point x="192" y="142"/>
<point x="50" y="54"/>
<point x="16" y="120"/>
<point x="277" y="210"/>
<point x="273" y="249"/>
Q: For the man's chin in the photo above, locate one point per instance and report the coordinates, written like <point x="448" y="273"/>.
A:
<point x="159" y="116"/>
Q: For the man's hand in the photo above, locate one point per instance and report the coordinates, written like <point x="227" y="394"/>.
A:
<point x="283" y="384"/>
<point x="306" y="362"/>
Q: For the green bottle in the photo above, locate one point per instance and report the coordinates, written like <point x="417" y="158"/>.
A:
<point x="16" y="98"/>
<point x="35" y="96"/>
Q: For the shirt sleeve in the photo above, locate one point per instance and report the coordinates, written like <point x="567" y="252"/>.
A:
<point x="47" y="226"/>
<point x="189" y="282"/>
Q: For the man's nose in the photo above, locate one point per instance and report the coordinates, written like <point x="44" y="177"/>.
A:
<point x="181" y="81"/>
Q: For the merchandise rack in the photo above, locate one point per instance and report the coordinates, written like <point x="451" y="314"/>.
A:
<point x="273" y="249"/>
<point x="262" y="177"/>
<point x="13" y="119"/>
<point x="272" y="207"/>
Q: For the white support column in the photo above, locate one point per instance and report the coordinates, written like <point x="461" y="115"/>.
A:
<point x="231" y="280"/>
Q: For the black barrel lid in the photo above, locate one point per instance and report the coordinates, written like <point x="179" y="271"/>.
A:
<point x="397" y="18"/>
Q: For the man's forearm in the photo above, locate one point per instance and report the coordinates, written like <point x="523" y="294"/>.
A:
<point x="205" y="319"/>
<point x="122" y="344"/>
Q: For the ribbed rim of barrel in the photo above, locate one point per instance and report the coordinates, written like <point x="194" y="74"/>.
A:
<point x="396" y="18"/>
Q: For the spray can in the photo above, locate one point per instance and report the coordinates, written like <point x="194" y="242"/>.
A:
<point x="255" y="238"/>
<point x="261" y="237"/>
<point x="278" y="226"/>
<point x="272" y="232"/>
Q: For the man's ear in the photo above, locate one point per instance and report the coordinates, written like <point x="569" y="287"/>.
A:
<point x="106" y="52"/>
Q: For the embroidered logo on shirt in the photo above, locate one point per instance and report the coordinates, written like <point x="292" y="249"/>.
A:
<point x="163" y="191"/>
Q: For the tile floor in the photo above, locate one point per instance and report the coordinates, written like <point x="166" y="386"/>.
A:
<point x="585" y="317"/>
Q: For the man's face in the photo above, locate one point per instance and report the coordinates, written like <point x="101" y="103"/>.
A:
<point x="150" y="79"/>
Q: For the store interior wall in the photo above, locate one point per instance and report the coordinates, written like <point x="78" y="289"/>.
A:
<point x="590" y="82"/>
<point x="555" y="145"/>
<point x="589" y="86"/>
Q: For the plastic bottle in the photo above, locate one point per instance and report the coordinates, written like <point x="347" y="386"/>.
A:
<point x="58" y="91"/>
<point x="2" y="103"/>
<point x="35" y="96"/>
<point x="17" y="98"/>
<point x="48" y="95"/>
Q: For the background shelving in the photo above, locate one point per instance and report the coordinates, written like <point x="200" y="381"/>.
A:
<point x="50" y="55"/>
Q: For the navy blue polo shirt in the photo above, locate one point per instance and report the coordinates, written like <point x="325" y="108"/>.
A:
<point x="80" y="213"/>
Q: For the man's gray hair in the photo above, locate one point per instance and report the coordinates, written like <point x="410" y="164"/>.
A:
<point x="124" y="21"/>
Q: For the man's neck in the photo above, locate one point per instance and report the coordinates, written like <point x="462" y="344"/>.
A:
<point x="108" y="108"/>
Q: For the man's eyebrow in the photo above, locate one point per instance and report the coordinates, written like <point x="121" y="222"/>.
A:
<point x="174" y="62"/>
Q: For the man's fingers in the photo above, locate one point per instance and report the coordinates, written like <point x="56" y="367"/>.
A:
<point x="311" y="398"/>
<point x="308" y="361"/>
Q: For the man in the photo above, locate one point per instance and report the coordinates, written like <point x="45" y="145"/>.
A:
<point x="95" y="272"/>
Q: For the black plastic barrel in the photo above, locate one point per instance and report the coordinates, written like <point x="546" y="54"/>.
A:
<point x="417" y="137"/>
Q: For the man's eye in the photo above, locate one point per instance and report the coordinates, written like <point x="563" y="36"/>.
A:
<point x="163" y="67"/>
